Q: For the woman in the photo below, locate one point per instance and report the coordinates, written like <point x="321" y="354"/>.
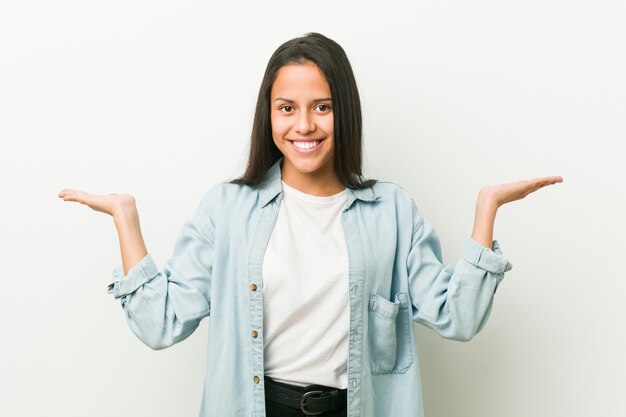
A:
<point x="313" y="274"/>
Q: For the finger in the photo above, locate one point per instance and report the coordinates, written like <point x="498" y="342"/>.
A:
<point x="538" y="183"/>
<point x="543" y="184"/>
<point x="551" y="180"/>
<point x="72" y="197"/>
<point x="80" y="197"/>
<point x="543" y="181"/>
<point x="67" y="191"/>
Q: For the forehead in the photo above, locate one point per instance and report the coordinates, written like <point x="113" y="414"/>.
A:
<point x="302" y="80"/>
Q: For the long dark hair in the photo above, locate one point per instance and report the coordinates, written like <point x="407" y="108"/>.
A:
<point x="332" y="61"/>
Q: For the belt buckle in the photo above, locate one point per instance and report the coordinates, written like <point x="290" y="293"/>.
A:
<point x="304" y="397"/>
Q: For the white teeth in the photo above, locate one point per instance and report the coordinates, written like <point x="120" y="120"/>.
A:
<point x="306" y="145"/>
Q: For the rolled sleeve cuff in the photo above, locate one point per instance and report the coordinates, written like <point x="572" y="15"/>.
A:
<point x="490" y="260"/>
<point x="139" y="274"/>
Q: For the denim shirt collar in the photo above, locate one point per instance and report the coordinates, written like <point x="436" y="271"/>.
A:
<point x="272" y="187"/>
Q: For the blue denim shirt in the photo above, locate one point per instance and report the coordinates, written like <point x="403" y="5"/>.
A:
<point x="396" y="278"/>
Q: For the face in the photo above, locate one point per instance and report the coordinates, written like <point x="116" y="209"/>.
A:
<point x="302" y="123"/>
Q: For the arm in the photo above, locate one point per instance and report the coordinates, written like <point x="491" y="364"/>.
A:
<point x="124" y="212"/>
<point x="132" y="246"/>
<point x="484" y="219"/>
<point x="491" y="197"/>
<point x="456" y="302"/>
<point x="453" y="301"/>
<point x="162" y="307"/>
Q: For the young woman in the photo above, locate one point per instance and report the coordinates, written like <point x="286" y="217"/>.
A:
<point x="313" y="275"/>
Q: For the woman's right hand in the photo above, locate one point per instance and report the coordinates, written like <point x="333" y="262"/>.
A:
<point x="111" y="204"/>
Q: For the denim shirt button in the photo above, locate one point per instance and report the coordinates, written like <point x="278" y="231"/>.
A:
<point x="256" y="379"/>
<point x="254" y="333"/>
<point x="253" y="287"/>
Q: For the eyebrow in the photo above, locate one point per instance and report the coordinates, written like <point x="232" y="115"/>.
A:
<point x="291" y="101"/>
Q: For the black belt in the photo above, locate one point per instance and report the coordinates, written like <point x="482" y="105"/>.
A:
<point x="311" y="400"/>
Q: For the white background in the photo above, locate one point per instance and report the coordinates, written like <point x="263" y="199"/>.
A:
<point x="156" y="99"/>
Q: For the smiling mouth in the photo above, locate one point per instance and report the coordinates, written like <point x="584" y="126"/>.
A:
<point x="306" y="145"/>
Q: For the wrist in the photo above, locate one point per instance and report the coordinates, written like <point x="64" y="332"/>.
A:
<point x="487" y="200"/>
<point x="125" y="212"/>
<point x="484" y="218"/>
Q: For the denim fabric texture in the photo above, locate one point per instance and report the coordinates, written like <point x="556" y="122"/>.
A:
<point x="396" y="278"/>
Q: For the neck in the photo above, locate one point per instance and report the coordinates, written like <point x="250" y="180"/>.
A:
<point x="318" y="184"/>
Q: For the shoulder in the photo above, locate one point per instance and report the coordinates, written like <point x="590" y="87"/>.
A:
<point x="397" y="200"/>
<point x="224" y="193"/>
<point x="392" y="192"/>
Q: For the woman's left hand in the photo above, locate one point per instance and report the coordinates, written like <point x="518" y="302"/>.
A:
<point x="505" y="193"/>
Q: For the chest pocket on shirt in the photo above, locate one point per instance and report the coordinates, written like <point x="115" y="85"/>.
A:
<point x="390" y="346"/>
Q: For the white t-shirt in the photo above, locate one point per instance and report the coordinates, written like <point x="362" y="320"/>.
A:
<point x="305" y="292"/>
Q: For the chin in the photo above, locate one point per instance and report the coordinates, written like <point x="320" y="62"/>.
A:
<point x="311" y="167"/>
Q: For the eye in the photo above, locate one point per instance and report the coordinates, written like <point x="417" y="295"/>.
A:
<point x="324" y="107"/>
<point x="287" y="108"/>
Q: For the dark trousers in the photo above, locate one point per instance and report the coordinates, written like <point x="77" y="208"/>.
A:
<point x="274" y="409"/>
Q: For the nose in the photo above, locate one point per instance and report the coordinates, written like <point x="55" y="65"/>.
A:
<point x="305" y="123"/>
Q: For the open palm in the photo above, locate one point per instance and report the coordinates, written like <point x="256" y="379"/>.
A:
<point x="511" y="191"/>
<point x="108" y="204"/>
